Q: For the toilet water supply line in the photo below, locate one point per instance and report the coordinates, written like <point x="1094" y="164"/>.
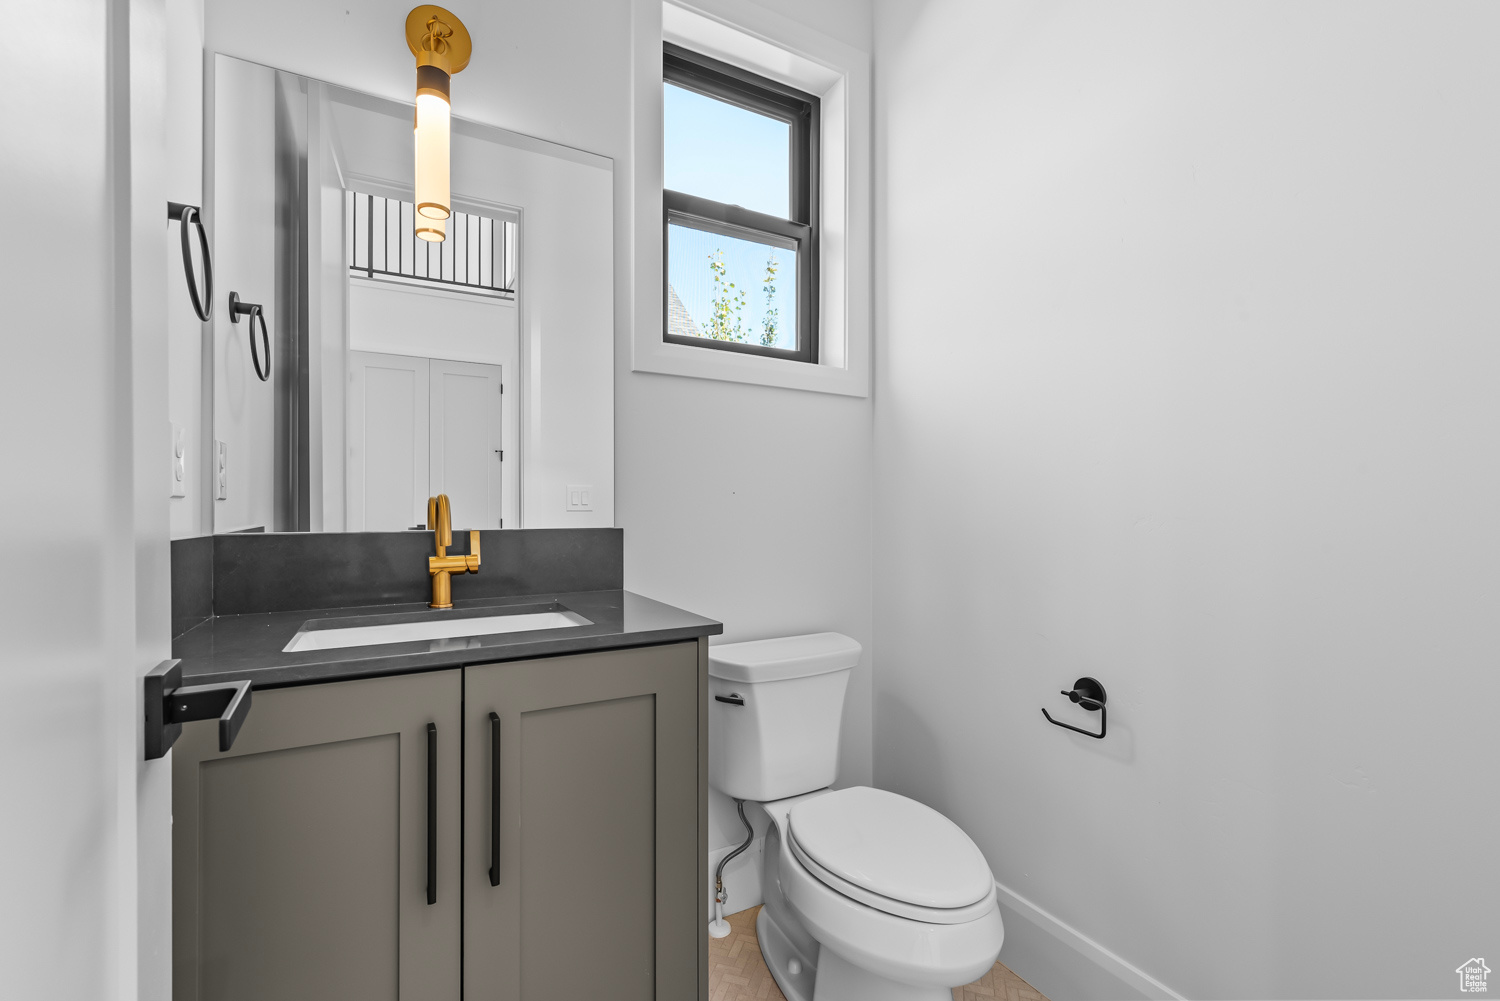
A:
<point x="718" y="927"/>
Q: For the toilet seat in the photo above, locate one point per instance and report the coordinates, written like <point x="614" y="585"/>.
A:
<point x="924" y="956"/>
<point x="897" y="908"/>
<point x="891" y="853"/>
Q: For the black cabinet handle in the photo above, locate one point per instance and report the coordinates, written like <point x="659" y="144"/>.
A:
<point x="494" y="799"/>
<point x="432" y="813"/>
<point x="192" y="215"/>
<point x="169" y="704"/>
<point x="256" y="312"/>
<point x="733" y="698"/>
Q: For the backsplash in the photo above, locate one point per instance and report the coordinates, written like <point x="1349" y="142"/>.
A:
<point x="241" y="574"/>
<point x="192" y="582"/>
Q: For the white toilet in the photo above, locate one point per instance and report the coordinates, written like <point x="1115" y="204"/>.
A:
<point x="869" y="896"/>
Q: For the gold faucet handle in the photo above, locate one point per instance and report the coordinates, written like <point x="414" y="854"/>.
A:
<point x="440" y="520"/>
<point x="472" y="560"/>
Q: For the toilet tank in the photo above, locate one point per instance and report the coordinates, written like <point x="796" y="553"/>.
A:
<point x="774" y="711"/>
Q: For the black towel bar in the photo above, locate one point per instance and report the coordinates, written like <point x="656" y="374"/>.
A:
<point x="169" y="704"/>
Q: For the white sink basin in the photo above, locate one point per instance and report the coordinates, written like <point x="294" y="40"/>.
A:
<point x="431" y="629"/>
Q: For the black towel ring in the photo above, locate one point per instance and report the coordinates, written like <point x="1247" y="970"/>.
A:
<point x="253" y="310"/>
<point x="192" y="215"/>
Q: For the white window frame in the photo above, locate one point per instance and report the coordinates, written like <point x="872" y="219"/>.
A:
<point x="777" y="47"/>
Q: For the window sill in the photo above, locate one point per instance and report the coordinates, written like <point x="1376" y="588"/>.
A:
<point x="665" y="358"/>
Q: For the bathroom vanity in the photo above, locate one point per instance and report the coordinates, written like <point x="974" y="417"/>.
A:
<point x="502" y="799"/>
<point x="506" y="816"/>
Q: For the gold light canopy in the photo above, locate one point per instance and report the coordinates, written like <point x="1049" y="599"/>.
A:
<point x="442" y="46"/>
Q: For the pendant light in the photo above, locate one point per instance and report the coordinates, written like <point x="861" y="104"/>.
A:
<point x="442" y="46"/>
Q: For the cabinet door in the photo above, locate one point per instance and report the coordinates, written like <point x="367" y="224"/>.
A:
<point x="598" y="886"/>
<point x="300" y="857"/>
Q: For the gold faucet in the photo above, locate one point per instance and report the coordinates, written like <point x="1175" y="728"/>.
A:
<point x="441" y="566"/>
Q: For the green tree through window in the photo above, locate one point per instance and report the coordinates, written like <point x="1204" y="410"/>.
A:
<point x="769" y="319"/>
<point x="726" y="316"/>
<point x="725" y="310"/>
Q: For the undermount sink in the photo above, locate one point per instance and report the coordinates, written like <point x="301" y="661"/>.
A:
<point x="331" y="634"/>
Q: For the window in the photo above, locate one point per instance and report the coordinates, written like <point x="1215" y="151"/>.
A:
<point x="740" y="207"/>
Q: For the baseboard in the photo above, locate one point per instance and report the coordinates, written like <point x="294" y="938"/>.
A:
<point x="1049" y="954"/>
<point x="1064" y="963"/>
<point x="741" y="877"/>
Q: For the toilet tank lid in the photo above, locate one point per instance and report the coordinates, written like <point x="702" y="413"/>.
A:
<point x="783" y="657"/>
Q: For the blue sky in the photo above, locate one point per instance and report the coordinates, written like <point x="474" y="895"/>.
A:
<point x="726" y="153"/>
<point x="720" y="151"/>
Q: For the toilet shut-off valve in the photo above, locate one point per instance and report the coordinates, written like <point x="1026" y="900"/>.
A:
<point x="718" y="927"/>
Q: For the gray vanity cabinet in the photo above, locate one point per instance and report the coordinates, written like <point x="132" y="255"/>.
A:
<point x="300" y="857"/>
<point x="597" y="889"/>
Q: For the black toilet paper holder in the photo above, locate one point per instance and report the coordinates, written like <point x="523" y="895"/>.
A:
<point x="1089" y="694"/>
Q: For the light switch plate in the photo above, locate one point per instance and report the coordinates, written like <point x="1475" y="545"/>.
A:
<point x="221" y="469"/>
<point x="580" y="497"/>
<point x="179" y="461"/>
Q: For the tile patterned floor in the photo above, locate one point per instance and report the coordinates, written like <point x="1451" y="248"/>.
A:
<point x="736" y="971"/>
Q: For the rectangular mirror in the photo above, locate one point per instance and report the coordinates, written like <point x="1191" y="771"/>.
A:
<point x="391" y="369"/>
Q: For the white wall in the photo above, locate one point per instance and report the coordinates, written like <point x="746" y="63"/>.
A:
<point x="84" y="612"/>
<point x="1186" y="381"/>
<point x="427" y="323"/>
<point x="769" y="531"/>
<point x="750" y="504"/>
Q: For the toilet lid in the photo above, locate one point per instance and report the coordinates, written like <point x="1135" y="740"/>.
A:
<point x="891" y="846"/>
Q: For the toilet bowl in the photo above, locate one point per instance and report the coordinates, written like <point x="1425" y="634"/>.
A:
<point x="869" y="895"/>
<point x="859" y="942"/>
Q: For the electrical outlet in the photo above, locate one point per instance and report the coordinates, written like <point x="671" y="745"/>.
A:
<point x="580" y="497"/>
<point x="221" y="469"/>
<point x="179" y="461"/>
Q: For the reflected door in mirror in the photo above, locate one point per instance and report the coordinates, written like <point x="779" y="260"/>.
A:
<point x="465" y="459"/>
<point x="420" y="427"/>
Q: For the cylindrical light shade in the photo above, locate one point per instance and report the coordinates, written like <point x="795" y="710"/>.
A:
<point x="432" y="138"/>
<point x="432" y="230"/>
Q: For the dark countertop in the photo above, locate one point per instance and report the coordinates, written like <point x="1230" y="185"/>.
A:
<point x="237" y="647"/>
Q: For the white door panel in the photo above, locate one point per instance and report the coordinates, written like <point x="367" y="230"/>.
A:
<point x="465" y="440"/>
<point x="388" y="442"/>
